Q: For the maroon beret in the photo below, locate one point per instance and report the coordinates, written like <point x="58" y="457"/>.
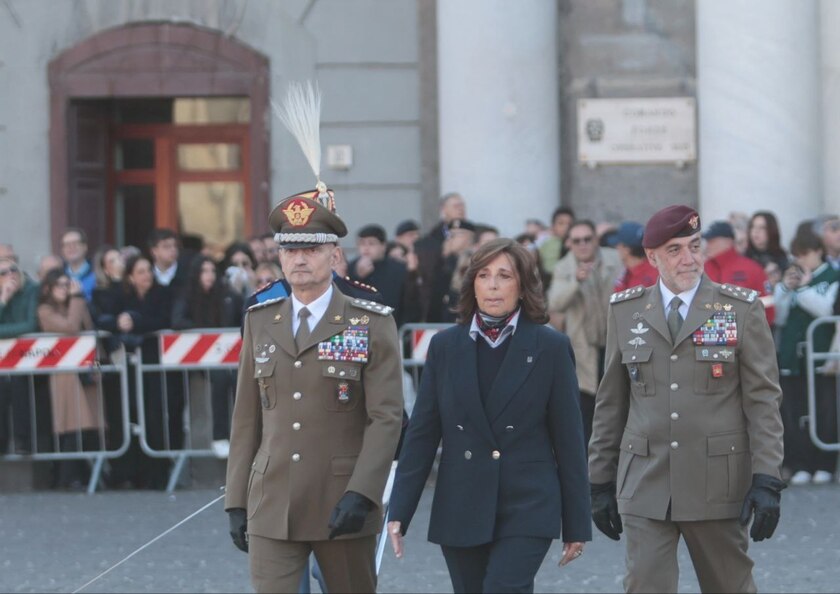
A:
<point x="672" y="221"/>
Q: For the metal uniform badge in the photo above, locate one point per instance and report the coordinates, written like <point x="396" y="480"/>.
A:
<point x="343" y="392"/>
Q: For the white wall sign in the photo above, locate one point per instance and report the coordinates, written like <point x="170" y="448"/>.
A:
<point x="655" y="130"/>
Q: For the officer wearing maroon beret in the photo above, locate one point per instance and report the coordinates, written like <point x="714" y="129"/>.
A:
<point x="687" y="435"/>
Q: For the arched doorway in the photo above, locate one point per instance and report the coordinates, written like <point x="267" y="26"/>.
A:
<point x="159" y="124"/>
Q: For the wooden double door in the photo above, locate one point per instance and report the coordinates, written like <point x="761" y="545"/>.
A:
<point x="129" y="178"/>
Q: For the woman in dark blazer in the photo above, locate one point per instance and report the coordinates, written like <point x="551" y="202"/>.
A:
<point x="500" y="390"/>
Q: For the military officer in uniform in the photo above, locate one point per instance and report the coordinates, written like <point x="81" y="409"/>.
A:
<point x="687" y="435"/>
<point x="317" y="415"/>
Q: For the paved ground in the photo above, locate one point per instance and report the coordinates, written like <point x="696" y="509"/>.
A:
<point x="55" y="542"/>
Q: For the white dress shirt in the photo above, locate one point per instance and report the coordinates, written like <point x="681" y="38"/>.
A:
<point x="317" y="309"/>
<point x="686" y="296"/>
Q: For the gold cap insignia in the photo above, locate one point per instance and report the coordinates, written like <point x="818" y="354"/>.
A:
<point x="365" y="320"/>
<point x="298" y="212"/>
<point x="694" y="222"/>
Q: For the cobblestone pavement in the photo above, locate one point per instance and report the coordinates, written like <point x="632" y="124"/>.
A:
<point x="55" y="542"/>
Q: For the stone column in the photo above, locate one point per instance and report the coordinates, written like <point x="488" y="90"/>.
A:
<point x="498" y="108"/>
<point x="759" y="109"/>
<point x="830" y="62"/>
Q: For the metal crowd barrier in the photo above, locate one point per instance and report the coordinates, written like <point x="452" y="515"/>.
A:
<point x="182" y="352"/>
<point x="415" y="340"/>
<point x="831" y="364"/>
<point x="44" y="355"/>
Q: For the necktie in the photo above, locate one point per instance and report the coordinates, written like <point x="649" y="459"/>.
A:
<point x="675" y="320"/>
<point x="302" y="336"/>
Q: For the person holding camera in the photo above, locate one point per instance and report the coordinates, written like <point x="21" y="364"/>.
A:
<point x="808" y="290"/>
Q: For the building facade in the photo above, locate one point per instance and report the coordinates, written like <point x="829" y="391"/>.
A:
<point x="120" y="116"/>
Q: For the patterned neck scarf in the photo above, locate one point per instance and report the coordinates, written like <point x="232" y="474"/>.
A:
<point x="492" y="326"/>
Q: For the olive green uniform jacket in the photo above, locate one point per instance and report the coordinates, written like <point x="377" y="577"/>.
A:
<point x="306" y="429"/>
<point x="685" y="425"/>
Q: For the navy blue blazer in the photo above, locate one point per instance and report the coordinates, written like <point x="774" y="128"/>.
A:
<point x="513" y="467"/>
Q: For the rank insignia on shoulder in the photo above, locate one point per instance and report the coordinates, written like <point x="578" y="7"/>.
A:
<point x="382" y="310"/>
<point x="748" y="295"/>
<point x="627" y="294"/>
<point x="361" y="285"/>
<point x="266" y="303"/>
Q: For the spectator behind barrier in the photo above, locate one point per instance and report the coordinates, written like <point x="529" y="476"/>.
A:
<point x="433" y="280"/>
<point x="258" y="249"/>
<point x="553" y="248"/>
<point x="238" y="265"/>
<point x="164" y="250"/>
<point x="140" y="308"/>
<point x="374" y="267"/>
<point x="765" y="247"/>
<point x="808" y="290"/>
<point x="578" y="299"/>
<point x="266" y="273"/>
<point x="18" y="304"/>
<point x="207" y="302"/>
<point x="77" y="410"/>
<point x="47" y="263"/>
<point x="74" y="249"/>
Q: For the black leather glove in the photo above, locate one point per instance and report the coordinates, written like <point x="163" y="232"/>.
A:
<point x="764" y="497"/>
<point x="349" y="514"/>
<point x="238" y="528"/>
<point x="605" y="510"/>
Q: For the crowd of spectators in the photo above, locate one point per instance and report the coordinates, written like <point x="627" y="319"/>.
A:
<point x="132" y="292"/>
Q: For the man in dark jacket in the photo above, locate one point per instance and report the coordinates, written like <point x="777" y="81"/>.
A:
<point x="18" y="304"/>
<point x="374" y="267"/>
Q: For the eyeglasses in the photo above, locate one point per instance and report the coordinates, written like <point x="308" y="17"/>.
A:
<point x="62" y="284"/>
<point x="580" y="240"/>
<point x="11" y="270"/>
<point x="264" y="280"/>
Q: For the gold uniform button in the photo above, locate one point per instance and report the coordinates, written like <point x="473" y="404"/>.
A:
<point x="468" y="455"/>
<point x="732" y="448"/>
<point x="296" y="426"/>
<point x="297" y="395"/>
<point x="298" y="364"/>
<point x="295" y="457"/>
<point x="496" y="454"/>
<point x="674" y="387"/>
<point x="630" y="446"/>
<point x="674" y="357"/>
<point x="675" y="416"/>
<point x="675" y="445"/>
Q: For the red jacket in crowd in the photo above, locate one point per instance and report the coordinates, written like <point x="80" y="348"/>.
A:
<point x="732" y="268"/>
<point x="641" y="274"/>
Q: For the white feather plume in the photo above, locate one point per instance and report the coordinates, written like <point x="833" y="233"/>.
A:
<point x="301" y="114"/>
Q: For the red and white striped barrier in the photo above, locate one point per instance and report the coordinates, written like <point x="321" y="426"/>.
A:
<point x="51" y="352"/>
<point x="200" y="348"/>
<point x="420" y="340"/>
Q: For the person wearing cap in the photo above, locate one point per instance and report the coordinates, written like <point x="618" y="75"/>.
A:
<point x="687" y="435"/>
<point x="375" y="267"/>
<point x="407" y="234"/>
<point x="317" y="416"/>
<point x="725" y="265"/>
<point x="637" y="270"/>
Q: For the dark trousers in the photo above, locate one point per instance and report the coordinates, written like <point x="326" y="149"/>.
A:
<point x="15" y="413"/>
<point x="504" y="565"/>
<point x="800" y="451"/>
<point x="135" y="466"/>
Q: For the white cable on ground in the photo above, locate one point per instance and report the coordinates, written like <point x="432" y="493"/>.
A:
<point x="156" y="538"/>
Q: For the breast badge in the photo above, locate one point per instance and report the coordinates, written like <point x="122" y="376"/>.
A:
<point x="719" y="330"/>
<point x="350" y="345"/>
